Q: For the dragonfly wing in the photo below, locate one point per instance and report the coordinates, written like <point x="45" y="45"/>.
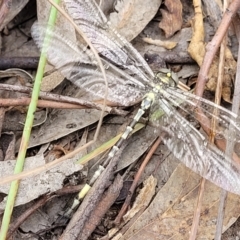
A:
<point x="60" y="50"/>
<point x="92" y="81"/>
<point x="106" y="40"/>
<point x="189" y="102"/>
<point x="79" y="66"/>
<point x="191" y="148"/>
<point x="87" y="11"/>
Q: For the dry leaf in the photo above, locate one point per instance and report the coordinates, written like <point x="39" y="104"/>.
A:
<point x="172" y="17"/>
<point x="132" y="16"/>
<point x="143" y="199"/>
<point x="12" y="11"/>
<point x="170" y="214"/>
<point x="51" y="81"/>
<point x="60" y="123"/>
<point x="166" y="44"/>
<point x="33" y="187"/>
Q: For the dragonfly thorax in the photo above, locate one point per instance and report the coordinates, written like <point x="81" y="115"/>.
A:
<point x="150" y="97"/>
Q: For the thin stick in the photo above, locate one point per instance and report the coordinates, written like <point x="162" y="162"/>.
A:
<point x="223" y="196"/>
<point x="213" y="46"/>
<point x="196" y="217"/>
<point x="54" y="97"/>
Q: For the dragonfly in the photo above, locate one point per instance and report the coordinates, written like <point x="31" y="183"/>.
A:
<point x="130" y="78"/>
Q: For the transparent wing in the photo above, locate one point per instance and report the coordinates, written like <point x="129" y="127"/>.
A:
<point x="189" y="103"/>
<point x="79" y="66"/>
<point x="87" y="11"/>
<point x="190" y="147"/>
<point x="89" y="17"/>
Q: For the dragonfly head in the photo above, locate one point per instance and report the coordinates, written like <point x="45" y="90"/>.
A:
<point x="168" y="77"/>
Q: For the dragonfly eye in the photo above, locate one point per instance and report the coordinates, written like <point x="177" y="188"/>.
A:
<point x="168" y="77"/>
